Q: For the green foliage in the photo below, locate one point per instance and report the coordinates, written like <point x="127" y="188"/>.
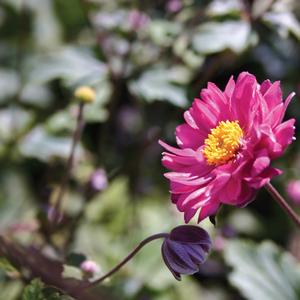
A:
<point x="11" y="290"/>
<point x="75" y="259"/>
<point x="158" y="84"/>
<point x="36" y="290"/>
<point x="146" y="63"/>
<point x="13" y="205"/>
<point x="41" y="145"/>
<point x="212" y="37"/>
<point x="74" y="66"/>
<point x="263" y="271"/>
<point x="71" y="272"/>
<point x="6" y="266"/>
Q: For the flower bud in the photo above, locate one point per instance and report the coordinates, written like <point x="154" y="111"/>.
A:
<point x="98" y="180"/>
<point x="85" y="94"/>
<point x="185" y="249"/>
<point x="89" y="267"/>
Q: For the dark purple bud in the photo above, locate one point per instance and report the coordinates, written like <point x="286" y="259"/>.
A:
<point x="185" y="249"/>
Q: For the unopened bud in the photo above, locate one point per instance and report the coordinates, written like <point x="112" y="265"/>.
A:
<point x="85" y="94"/>
<point x="185" y="249"/>
<point x="99" y="180"/>
<point x="89" y="268"/>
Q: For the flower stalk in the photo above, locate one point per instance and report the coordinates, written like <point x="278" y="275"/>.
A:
<point x="283" y="204"/>
<point x="127" y="258"/>
<point x="76" y="138"/>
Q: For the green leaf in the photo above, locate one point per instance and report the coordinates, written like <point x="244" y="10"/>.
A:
<point x="158" y="84"/>
<point x="74" y="66"/>
<point x="214" y="37"/>
<point x="75" y="259"/>
<point x="6" y="266"/>
<point x="50" y="293"/>
<point x="36" y="95"/>
<point x="224" y="7"/>
<point x="72" y="272"/>
<point x="263" y="271"/>
<point x="34" y="291"/>
<point x="11" y="290"/>
<point x="285" y="22"/>
<point x="15" y="203"/>
<point x="14" y="119"/>
<point x="46" y="28"/>
<point x="164" y="32"/>
<point x="9" y="84"/>
<point x="62" y="121"/>
<point x="43" y="146"/>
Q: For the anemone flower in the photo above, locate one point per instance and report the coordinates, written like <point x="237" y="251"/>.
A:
<point x="226" y="145"/>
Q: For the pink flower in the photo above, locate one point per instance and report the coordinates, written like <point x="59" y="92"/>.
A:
<point x="293" y="191"/>
<point x="226" y="146"/>
<point x="174" y="6"/>
<point x="137" y="19"/>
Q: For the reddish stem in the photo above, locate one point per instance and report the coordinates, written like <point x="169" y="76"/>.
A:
<point x="127" y="258"/>
<point x="283" y="204"/>
<point x="75" y="140"/>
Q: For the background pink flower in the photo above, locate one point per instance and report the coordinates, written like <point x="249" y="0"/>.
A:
<point x="174" y="6"/>
<point x="226" y="145"/>
<point x="293" y="190"/>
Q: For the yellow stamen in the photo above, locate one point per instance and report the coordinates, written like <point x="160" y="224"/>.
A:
<point x="223" y="142"/>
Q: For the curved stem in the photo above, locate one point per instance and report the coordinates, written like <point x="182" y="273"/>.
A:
<point x="282" y="202"/>
<point x="127" y="258"/>
<point x="75" y="140"/>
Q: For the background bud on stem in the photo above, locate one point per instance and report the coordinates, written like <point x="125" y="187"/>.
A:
<point x="85" y="94"/>
<point x="89" y="268"/>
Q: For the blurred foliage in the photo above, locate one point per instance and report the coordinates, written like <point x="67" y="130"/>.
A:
<point x="263" y="271"/>
<point x="146" y="60"/>
<point x="36" y="290"/>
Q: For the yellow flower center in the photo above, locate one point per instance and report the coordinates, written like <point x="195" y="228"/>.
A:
<point x="223" y="142"/>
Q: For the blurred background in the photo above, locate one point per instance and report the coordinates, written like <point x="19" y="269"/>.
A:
<point x="147" y="61"/>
